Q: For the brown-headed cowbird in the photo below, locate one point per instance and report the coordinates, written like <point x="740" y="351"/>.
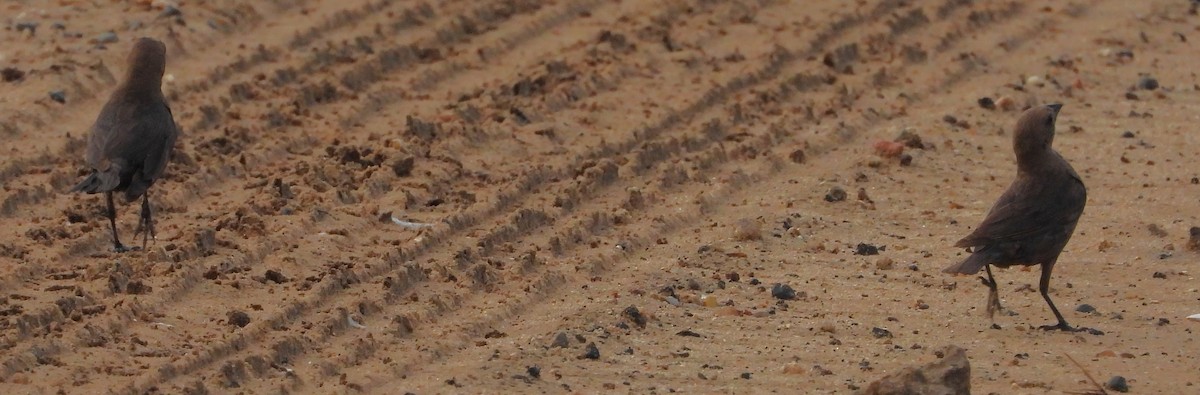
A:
<point x="1034" y="219"/>
<point x="131" y="140"/>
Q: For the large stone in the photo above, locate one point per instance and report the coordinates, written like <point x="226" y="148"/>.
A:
<point x="950" y="375"/>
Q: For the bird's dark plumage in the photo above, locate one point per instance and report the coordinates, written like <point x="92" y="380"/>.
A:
<point x="131" y="140"/>
<point x="1033" y="220"/>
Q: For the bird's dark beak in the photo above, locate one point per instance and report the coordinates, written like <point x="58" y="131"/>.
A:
<point x="1056" y="107"/>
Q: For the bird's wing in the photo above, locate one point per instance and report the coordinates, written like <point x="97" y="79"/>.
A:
<point x="1030" y="208"/>
<point x="164" y="124"/>
<point x="101" y="136"/>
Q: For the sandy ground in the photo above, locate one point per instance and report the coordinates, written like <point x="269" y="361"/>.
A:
<point x="580" y="157"/>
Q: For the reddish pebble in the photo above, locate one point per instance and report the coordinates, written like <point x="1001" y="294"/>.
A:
<point x="888" y="149"/>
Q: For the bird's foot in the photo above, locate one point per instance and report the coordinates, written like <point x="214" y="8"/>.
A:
<point x="994" y="307"/>
<point x="1063" y="326"/>
<point x="120" y="248"/>
<point x="145" y="225"/>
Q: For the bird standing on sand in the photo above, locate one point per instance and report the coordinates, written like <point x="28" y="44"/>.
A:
<point x="131" y="140"/>
<point x="1034" y="219"/>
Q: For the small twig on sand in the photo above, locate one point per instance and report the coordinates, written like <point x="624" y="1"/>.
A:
<point x="410" y="225"/>
<point x="1099" y="390"/>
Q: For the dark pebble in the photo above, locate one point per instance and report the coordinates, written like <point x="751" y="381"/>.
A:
<point x="797" y="156"/>
<point x="1128" y="134"/>
<point x="910" y="139"/>
<point x="1117" y="383"/>
<point x="754" y="281"/>
<point x="1085" y="308"/>
<point x="1147" y="83"/>
<point x="836" y="194"/>
<point x="950" y="119"/>
<point x="636" y="316"/>
<point x="1160" y="275"/>
<point x="1131" y="96"/>
<point x="783" y="291"/>
<point x="906" y="160"/>
<point x="687" y="333"/>
<point x="534" y="371"/>
<point x="866" y="249"/>
<point x="987" y="103"/>
<point x="403" y="167"/>
<point x="746" y="376"/>
<point x="170" y="11"/>
<point x="1163" y="321"/>
<point x="9" y="74"/>
<point x="275" y="276"/>
<point x="58" y="96"/>
<point x="592" y="352"/>
<point x="561" y="340"/>
<point x="733" y="277"/>
<point x="880" y="333"/>
<point x="1193" y="243"/>
<point x="239" y="318"/>
<point x="30" y="26"/>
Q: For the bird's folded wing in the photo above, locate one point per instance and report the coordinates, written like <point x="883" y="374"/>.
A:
<point x="1027" y="210"/>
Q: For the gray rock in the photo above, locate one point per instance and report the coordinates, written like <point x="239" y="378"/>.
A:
<point x="836" y="194"/>
<point x="592" y="352"/>
<point x="561" y="340"/>
<point x="106" y="38"/>
<point x="1117" y="383"/>
<point x="783" y="291"/>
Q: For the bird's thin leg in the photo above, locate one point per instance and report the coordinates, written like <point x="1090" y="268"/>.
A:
<point x="1044" y="288"/>
<point x="146" y="222"/>
<point x="993" y="293"/>
<point x="112" y="221"/>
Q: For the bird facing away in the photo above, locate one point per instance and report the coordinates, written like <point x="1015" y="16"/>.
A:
<point x="131" y="140"/>
<point x="1035" y="217"/>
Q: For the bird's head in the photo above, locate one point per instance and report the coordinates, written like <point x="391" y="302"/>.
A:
<point x="1035" y="129"/>
<point x="147" y="61"/>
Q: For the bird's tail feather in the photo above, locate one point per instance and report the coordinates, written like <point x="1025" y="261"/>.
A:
<point x="973" y="264"/>
<point x="97" y="182"/>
